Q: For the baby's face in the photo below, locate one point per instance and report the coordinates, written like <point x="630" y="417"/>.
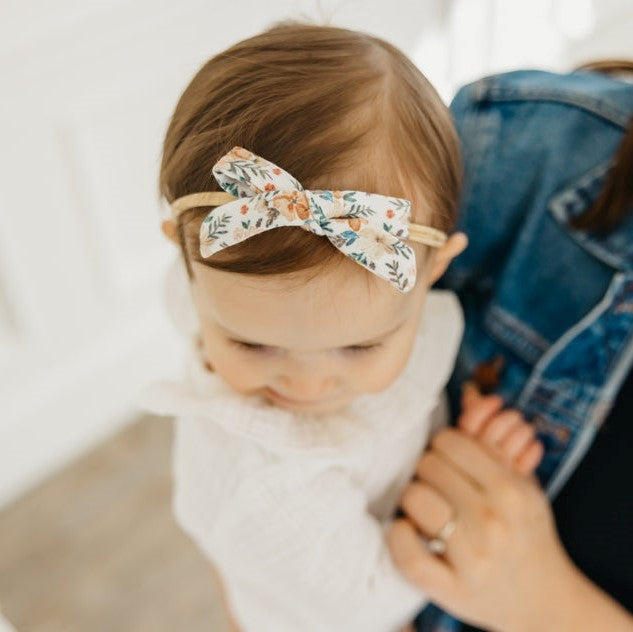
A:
<point x="306" y="344"/>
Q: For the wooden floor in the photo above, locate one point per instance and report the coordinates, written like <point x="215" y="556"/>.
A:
<point x="96" y="549"/>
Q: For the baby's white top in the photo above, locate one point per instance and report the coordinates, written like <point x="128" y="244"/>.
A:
<point x="291" y="509"/>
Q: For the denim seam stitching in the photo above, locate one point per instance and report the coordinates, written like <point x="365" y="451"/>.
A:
<point x="596" y="107"/>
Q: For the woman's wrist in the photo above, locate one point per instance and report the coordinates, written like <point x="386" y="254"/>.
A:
<point x="575" y="603"/>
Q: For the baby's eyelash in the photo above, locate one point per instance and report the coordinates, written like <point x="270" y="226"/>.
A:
<point x="257" y="348"/>
<point x="361" y="348"/>
<point x="250" y="346"/>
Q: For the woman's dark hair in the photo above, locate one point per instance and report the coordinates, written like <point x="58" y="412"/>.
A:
<point x="616" y="198"/>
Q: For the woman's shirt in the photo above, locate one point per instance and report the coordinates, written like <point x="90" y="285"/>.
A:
<point x="594" y="511"/>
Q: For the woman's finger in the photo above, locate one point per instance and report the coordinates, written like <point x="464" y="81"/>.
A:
<point x="460" y="492"/>
<point x="470" y="457"/>
<point x="428" y="509"/>
<point x="422" y="568"/>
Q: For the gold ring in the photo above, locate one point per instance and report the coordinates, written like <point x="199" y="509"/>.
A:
<point x="437" y="544"/>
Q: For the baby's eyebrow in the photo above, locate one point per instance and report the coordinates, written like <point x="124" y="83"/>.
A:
<point x="244" y="339"/>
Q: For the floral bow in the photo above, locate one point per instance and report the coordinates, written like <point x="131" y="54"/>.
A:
<point x="367" y="227"/>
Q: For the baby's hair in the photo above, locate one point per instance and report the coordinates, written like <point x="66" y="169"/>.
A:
<point x="337" y="109"/>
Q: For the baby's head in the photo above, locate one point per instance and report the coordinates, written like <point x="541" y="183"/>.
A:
<point x="284" y="313"/>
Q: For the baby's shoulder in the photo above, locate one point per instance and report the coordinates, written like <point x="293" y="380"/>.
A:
<point x="438" y="339"/>
<point x="443" y="316"/>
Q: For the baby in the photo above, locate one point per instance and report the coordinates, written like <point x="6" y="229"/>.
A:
<point x="317" y="353"/>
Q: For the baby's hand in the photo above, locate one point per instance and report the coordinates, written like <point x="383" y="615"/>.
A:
<point x="504" y="431"/>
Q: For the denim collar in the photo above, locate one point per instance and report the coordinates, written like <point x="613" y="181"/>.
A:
<point x="615" y="249"/>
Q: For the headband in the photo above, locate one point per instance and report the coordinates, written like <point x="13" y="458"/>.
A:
<point x="258" y="196"/>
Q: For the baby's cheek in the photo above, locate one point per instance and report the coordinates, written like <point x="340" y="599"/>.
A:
<point x="241" y="377"/>
<point x="381" y="374"/>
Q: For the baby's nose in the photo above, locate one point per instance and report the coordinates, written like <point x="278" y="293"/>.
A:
<point x="306" y="387"/>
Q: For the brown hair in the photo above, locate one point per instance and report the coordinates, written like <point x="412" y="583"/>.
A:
<point x="337" y="109"/>
<point x="616" y="198"/>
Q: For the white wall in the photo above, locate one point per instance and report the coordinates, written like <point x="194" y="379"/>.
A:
<point x="87" y="90"/>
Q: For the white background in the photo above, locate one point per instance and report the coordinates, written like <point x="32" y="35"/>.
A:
<point x="87" y="89"/>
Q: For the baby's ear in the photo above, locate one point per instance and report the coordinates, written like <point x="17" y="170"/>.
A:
<point x="454" y="246"/>
<point x="170" y="230"/>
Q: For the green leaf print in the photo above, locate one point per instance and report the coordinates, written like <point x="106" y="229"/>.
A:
<point x="271" y="216"/>
<point x="359" y="210"/>
<point x="400" y="248"/>
<point x="349" y="237"/>
<point x="396" y="276"/>
<point x="242" y="168"/>
<point x="231" y="187"/>
<point x="361" y="257"/>
<point x="217" y="226"/>
<point x="320" y="218"/>
<point x="399" y="203"/>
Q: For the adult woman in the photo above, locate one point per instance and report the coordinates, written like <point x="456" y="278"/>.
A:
<point x="547" y="288"/>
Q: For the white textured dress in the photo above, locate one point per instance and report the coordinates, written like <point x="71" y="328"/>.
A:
<point x="292" y="509"/>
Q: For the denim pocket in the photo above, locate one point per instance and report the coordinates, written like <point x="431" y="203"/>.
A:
<point x="515" y="334"/>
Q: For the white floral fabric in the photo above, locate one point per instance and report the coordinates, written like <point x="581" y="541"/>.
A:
<point x="367" y="227"/>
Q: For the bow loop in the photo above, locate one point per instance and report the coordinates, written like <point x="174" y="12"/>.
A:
<point x="242" y="173"/>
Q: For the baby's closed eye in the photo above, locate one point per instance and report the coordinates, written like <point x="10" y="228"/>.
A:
<point x="253" y="347"/>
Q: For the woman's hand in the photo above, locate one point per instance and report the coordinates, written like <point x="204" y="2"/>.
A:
<point x="502" y="560"/>
<point x="504" y="567"/>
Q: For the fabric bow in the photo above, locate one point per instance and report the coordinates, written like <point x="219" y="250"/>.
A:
<point x="367" y="227"/>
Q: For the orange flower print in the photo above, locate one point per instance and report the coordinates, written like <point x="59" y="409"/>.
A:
<point x="259" y="205"/>
<point x="243" y="154"/>
<point x="237" y="152"/>
<point x="291" y="204"/>
<point x="276" y="171"/>
<point x="354" y="224"/>
<point x="390" y="213"/>
<point x="244" y="209"/>
<point x="269" y="186"/>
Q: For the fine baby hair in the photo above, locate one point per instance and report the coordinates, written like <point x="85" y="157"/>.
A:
<point x="336" y="109"/>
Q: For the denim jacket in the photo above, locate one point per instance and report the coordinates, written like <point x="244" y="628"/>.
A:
<point x="554" y="302"/>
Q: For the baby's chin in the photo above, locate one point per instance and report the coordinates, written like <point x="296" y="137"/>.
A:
<point x="327" y="407"/>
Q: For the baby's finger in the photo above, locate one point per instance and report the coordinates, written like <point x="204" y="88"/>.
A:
<point x="517" y="441"/>
<point x="497" y="429"/>
<point x="527" y="462"/>
<point x="476" y="409"/>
